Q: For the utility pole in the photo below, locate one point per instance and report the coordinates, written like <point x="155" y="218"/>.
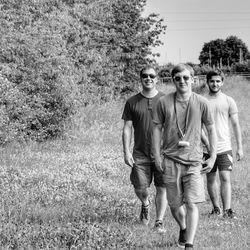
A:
<point x="240" y="55"/>
<point x="179" y="55"/>
<point x="210" y="57"/>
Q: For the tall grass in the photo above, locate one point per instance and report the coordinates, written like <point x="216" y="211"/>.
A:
<point x="75" y="193"/>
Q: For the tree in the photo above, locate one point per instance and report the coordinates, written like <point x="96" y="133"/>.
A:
<point x="237" y="50"/>
<point x="221" y="52"/>
<point x="133" y="36"/>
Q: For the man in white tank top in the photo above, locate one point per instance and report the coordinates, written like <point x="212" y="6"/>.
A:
<point x="224" y="111"/>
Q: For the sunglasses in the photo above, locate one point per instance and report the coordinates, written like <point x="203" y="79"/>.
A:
<point x="178" y="78"/>
<point x="144" y="76"/>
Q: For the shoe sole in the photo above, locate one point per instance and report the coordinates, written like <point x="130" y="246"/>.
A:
<point x="180" y="246"/>
<point x="160" y="231"/>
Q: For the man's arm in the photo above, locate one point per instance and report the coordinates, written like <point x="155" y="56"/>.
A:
<point x="126" y="140"/>
<point x="157" y="135"/>
<point x="212" y="138"/>
<point x="204" y="140"/>
<point x="238" y="137"/>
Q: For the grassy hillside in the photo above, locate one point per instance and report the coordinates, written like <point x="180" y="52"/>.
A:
<point x="75" y="193"/>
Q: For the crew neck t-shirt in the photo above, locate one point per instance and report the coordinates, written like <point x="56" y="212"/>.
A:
<point x="198" y="113"/>
<point x="139" y="109"/>
<point x="222" y="107"/>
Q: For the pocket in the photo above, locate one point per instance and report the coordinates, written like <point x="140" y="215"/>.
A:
<point x="168" y="167"/>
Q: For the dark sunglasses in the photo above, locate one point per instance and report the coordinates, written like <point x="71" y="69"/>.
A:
<point x="178" y="78"/>
<point x="144" y="76"/>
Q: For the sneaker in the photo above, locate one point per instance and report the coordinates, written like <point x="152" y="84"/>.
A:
<point x="216" y="211"/>
<point x="182" y="239"/>
<point x="229" y="213"/>
<point x="189" y="246"/>
<point x="144" y="215"/>
<point x="159" y="228"/>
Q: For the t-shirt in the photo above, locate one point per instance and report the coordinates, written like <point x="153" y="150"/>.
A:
<point x="197" y="114"/>
<point x="222" y="107"/>
<point x="139" y="110"/>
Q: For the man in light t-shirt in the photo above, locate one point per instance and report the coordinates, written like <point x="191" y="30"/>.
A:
<point x="178" y="119"/>
<point x="224" y="111"/>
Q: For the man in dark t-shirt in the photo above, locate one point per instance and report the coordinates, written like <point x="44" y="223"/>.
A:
<point x="137" y="116"/>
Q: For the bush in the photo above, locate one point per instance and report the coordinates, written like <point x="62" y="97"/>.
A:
<point x="34" y="110"/>
<point x="241" y="67"/>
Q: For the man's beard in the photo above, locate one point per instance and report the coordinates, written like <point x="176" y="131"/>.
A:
<point x="214" y="91"/>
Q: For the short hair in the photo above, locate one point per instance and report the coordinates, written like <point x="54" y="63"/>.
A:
<point x="147" y="68"/>
<point x="181" y="67"/>
<point x="216" y="72"/>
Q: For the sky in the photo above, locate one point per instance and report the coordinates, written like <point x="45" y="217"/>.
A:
<point x="191" y="23"/>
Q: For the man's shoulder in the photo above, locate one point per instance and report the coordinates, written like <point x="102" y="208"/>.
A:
<point x="200" y="98"/>
<point x="229" y="98"/>
<point x="134" y="98"/>
<point x="167" y="96"/>
<point x="160" y="93"/>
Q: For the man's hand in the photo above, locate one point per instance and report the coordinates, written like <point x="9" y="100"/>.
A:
<point x="239" y="154"/>
<point x="128" y="159"/>
<point x="158" y="164"/>
<point x="207" y="165"/>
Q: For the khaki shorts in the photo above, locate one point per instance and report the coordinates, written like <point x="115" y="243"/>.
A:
<point x="185" y="184"/>
<point x="144" y="172"/>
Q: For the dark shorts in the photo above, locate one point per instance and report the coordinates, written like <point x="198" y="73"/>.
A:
<point x="223" y="162"/>
<point x="144" y="172"/>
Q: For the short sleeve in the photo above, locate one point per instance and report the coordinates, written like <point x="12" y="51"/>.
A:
<point x="232" y="106"/>
<point x="207" y="117"/>
<point x="127" y="114"/>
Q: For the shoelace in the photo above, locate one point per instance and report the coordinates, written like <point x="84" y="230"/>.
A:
<point x="158" y="223"/>
<point x="145" y="212"/>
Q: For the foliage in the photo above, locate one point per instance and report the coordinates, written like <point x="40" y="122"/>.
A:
<point x="221" y="52"/>
<point x="134" y="37"/>
<point x="241" y="67"/>
<point x="59" y="55"/>
<point x="165" y="71"/>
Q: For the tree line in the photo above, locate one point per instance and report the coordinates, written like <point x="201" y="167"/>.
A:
<point x="226" y="52"/>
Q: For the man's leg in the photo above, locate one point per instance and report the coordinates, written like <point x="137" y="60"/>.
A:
<point x="143" y="195"/>
<point x="160" y="202"/>
<point x="212" y="189"/>
<point x="226" y="189"/>
<point x="179" y="215"/>
<point x="192" y="219"/>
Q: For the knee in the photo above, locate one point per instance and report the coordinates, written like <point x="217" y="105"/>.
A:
<point x="161" y="191"/>
<point x="191" y="206"/>
<point x="141" y="191"/>
<point x="225" y="178"/>
<point x="211" y="179"/>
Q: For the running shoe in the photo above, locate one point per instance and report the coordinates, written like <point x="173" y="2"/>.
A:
<point x="216" y="211"/>
<point x="159" y="228"/>
<point x="229" y="213"/>
<point x="182" y="239"/>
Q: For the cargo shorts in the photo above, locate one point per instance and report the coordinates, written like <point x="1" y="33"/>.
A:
<point x="185" y="183"/>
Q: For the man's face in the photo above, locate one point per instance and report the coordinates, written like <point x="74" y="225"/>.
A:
<point x="183" y="81"/>
<point x="215" y="84"/>
<point x="148" y="79"/>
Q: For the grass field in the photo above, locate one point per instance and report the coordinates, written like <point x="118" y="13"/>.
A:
<point x="75" y="193"/>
